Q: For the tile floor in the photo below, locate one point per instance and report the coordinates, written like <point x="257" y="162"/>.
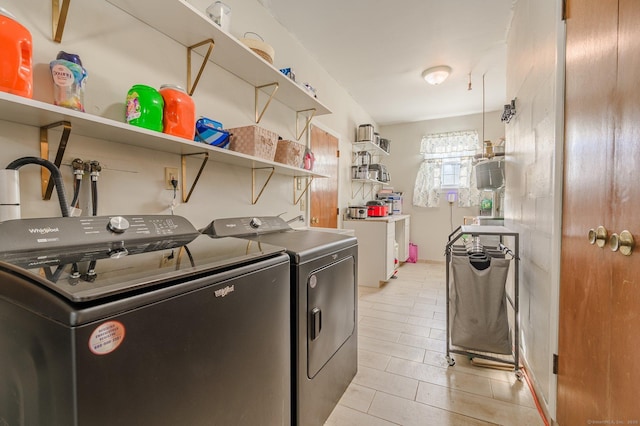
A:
<point x="403" y="377"/>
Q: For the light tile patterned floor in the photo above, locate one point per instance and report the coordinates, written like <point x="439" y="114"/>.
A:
<point x="403" y="377"/>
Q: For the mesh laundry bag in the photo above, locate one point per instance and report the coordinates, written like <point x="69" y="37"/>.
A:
<point x="478" y="306"/>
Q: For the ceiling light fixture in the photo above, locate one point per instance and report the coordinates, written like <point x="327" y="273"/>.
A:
<point x="436" y="75"/>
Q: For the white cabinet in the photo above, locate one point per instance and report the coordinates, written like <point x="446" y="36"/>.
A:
<point x="376" y="246"/>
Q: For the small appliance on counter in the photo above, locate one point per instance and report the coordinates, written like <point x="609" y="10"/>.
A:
<point x="385" y="144"/>
<point x="394" y="197"/>
<point x="383" y="175"/>
<point x="358" y="212"/>
<point x="377" y="208"/>
<point x="365" y="133"/>
<point x="363" y="158"/>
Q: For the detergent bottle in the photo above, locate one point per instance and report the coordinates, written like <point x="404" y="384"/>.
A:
<point x="16" y="66"/>
<point x="69" y="78"/>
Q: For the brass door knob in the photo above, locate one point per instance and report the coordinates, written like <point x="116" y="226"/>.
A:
<point x="315" y="220"/>
<point x="598" y="236"/>
<point x="623" y="242"/>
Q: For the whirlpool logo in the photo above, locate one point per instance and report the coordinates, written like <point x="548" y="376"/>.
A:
<point x="224" y="291"/>
<point x="43" y="231"/>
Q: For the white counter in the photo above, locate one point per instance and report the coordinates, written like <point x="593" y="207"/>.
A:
<point x="392" y="218"/>
<point x="376" y="246"/>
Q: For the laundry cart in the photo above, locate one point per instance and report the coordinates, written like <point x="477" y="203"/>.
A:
<point x="483" y="319"/>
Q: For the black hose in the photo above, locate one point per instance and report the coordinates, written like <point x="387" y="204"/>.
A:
<point x="55" y="174"/>
<point x="95" y="172"/>
<point x="76" y="192"/>
<point x="94" y="196"/>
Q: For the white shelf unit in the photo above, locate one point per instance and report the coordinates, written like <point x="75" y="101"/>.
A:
<point x="35" y="113"/>
<point x="188" y="26"/>
<point x="371" y="147"/>
<point x="376" y="152"/>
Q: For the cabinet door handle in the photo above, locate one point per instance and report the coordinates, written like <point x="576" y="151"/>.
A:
<point x="623" y="242"/>
<point x="598" y="236"/>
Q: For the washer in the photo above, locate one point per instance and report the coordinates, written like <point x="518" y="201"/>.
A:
<point x="324" y="313"/>
<point x="141" y="320"/>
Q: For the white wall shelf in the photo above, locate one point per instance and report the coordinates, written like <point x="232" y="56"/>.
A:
<point x="188" y="26"/>
<point x="362" y="184"/>
<point x="22" y="110"/>
<point x="370" y="147"/>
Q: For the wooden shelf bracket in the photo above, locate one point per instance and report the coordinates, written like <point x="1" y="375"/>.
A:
<point x="255" y="199"/>
<point x="45" y="175"/>
<point x="211" y="43"/>
<point x="307" y="121"/>
<point x="296" y="179"/>
<point x="185" y="198"/>
<point x="58" y="18"/>
<point x="257" y="92"/>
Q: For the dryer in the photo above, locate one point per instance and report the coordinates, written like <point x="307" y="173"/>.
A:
<point x="324" y="309"/>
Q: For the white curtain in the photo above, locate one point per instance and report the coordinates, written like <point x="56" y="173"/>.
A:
<point x="451" y="145"/>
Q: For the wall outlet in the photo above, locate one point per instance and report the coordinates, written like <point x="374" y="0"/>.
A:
<point x="167" y="259"/>
<point x="169" y="174"/>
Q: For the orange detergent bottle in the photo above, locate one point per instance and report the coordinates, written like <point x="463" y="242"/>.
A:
<point x="179" y="118"/>
<point x="16" y="68"/>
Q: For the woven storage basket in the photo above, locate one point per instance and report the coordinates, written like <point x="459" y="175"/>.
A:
<point x="290" y="153"/>
<point x="254" y="140"/>
<point x="259" y="47"/>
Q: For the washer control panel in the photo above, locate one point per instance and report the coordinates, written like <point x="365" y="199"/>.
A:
<point x="60" y="233"/>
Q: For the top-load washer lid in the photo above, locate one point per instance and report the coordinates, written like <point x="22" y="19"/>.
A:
<point x="89" y="258"/>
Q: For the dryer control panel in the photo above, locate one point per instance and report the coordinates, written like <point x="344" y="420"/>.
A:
<point x="245" y="226"/>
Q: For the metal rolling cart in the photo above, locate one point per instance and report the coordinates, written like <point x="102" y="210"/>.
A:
<point x="499" y="298"/>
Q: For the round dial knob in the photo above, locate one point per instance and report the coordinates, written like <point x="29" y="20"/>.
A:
<point x="118" y="224"/>
<point x="255" y="223"/>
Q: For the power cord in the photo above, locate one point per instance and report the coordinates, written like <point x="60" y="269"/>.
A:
<point x="174" y="183"/>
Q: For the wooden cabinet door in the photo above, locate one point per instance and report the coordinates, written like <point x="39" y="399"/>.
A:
<point x="625" y="214"/>
<point x="599" y="296"/>
<point x="324" y="191"/>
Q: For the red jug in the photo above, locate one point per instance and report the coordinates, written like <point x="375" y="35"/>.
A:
<point x="16" y="68"/>
<point x="179" y="118"/>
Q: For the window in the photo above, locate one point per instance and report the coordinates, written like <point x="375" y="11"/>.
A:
<point x="450" y="174"/>
<point x="447" y="165"/>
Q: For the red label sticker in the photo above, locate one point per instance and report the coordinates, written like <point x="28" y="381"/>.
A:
<point x="106" y="337"/>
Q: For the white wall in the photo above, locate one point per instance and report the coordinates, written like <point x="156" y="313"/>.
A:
<point x="430" y="227"/>
<point x="119" y="51"/>
<point x="535" y="72"/>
